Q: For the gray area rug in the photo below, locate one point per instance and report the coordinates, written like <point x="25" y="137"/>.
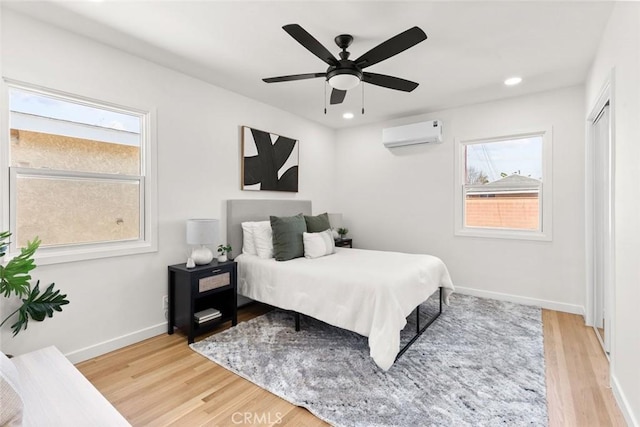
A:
<point x="480" y="364"/>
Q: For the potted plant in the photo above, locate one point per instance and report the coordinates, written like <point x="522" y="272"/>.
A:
<point x="14" y="280"/>
<point x="224" y="250"/>
<point x="343" y="232"/>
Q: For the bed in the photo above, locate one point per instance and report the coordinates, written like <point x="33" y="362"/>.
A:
<point x="367" y="292"/>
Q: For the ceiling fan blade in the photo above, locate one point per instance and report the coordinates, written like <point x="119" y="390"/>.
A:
<point x="389" y="82"/>
<point x="337" y="96"/>
<point x="391" y="47"/>
<point x="310" y="43"/>
<point x="293" y="77"/>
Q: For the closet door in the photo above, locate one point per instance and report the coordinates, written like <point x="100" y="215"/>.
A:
<point x="602" y="207"/>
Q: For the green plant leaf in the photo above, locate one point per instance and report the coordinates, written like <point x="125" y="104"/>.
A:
<point x="38" y="307"/>
<point x="223" y="249"/>
<point x="4" y="242"/>
<point x="14" y="277"/>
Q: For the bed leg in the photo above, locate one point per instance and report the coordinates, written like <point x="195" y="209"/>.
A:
<point x="420" y="331"/>
<point x="297" y="317"/>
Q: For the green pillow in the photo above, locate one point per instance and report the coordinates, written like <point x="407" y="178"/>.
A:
<point x="287" y="236"/>
<point x="318" y="223"/>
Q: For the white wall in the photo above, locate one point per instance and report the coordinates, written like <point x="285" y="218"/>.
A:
<point x="403" y="199"/>
<point x="619" y="55"/>
<point x="118" y="300"/>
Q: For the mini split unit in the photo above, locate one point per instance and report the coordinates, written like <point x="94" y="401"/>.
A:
<point x="416" y="133"/>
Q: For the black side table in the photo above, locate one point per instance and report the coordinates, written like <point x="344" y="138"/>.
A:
<point x="344" y="243"/>
<point x="195" y="289"/>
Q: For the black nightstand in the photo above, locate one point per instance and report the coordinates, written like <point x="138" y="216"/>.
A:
<point x="195" y="289"/>
<point x="344" y="243"/>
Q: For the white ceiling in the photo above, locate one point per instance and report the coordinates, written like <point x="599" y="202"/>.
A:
<point x="471" y="47"/>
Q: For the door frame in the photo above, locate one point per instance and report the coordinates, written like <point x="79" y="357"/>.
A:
<point x="605" y="96"/>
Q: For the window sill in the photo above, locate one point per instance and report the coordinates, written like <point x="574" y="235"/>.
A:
<point x="494" y="233"/>
<point x="59" y="255"/>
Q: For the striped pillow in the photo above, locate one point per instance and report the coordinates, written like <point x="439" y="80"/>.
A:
<point x="318" y="244"/>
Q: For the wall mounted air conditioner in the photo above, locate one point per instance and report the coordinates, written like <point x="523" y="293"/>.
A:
<point x="416" y="133"/>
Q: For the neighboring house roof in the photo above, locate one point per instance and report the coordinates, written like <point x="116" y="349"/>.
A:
<point x="512" y="184"/>
<point x="35" y="123"/>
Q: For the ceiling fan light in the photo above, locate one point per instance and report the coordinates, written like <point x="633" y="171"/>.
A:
<point x="344" y="81"/>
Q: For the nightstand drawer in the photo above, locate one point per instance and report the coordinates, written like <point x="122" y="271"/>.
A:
<point x="212" y="282"/>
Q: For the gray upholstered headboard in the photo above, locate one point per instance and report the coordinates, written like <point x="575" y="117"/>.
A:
<point x="239" y="211"/>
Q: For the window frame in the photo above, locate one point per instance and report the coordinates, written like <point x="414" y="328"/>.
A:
<point x="545" y="232"/>
<point x="147" y="178"/>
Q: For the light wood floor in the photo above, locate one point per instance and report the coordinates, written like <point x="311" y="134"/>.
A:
<point x="578" y="392"/>
<point x="161" y="381"/>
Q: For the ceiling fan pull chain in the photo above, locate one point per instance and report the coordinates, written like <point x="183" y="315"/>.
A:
<point x="362" y="97"/>
<point x="325" y="97"/>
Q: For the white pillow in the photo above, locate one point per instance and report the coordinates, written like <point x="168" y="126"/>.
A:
<point x="318" y="244"/>
<point x="11" y="404"/>
<point x="263" y="239"/>
<point x="248" y="242"/>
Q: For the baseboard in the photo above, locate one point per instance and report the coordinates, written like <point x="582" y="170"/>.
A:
<point x="550" y="305"/>
<point x="623" y="403"/>
<point x="114" y="344"/>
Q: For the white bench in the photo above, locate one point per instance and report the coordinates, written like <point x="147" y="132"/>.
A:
<point x="55" y="393"/>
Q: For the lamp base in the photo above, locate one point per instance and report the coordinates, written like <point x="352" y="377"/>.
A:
<point x="201" y="255"/>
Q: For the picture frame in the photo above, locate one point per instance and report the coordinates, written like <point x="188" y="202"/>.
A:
<point x="270" y="162"/>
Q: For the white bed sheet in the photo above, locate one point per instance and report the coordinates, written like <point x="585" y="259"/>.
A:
<point x="368" y="292"/>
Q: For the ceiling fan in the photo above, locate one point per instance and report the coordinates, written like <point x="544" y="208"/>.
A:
<point x="344" y="74"/>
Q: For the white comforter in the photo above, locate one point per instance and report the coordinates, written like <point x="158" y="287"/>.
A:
<point x="368" y="292"/>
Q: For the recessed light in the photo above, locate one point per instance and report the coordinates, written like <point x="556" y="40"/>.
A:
<point x="512" y="81"/>
<point x="347" y="116"/>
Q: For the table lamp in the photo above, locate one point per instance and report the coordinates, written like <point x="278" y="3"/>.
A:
<point x="202" y="232"/>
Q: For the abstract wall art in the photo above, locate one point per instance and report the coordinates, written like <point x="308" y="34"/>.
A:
<point x="269" y="161"/>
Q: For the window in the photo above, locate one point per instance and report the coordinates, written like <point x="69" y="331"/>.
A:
<point x="504" y="186"/>
<point x="78" y="176"/>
